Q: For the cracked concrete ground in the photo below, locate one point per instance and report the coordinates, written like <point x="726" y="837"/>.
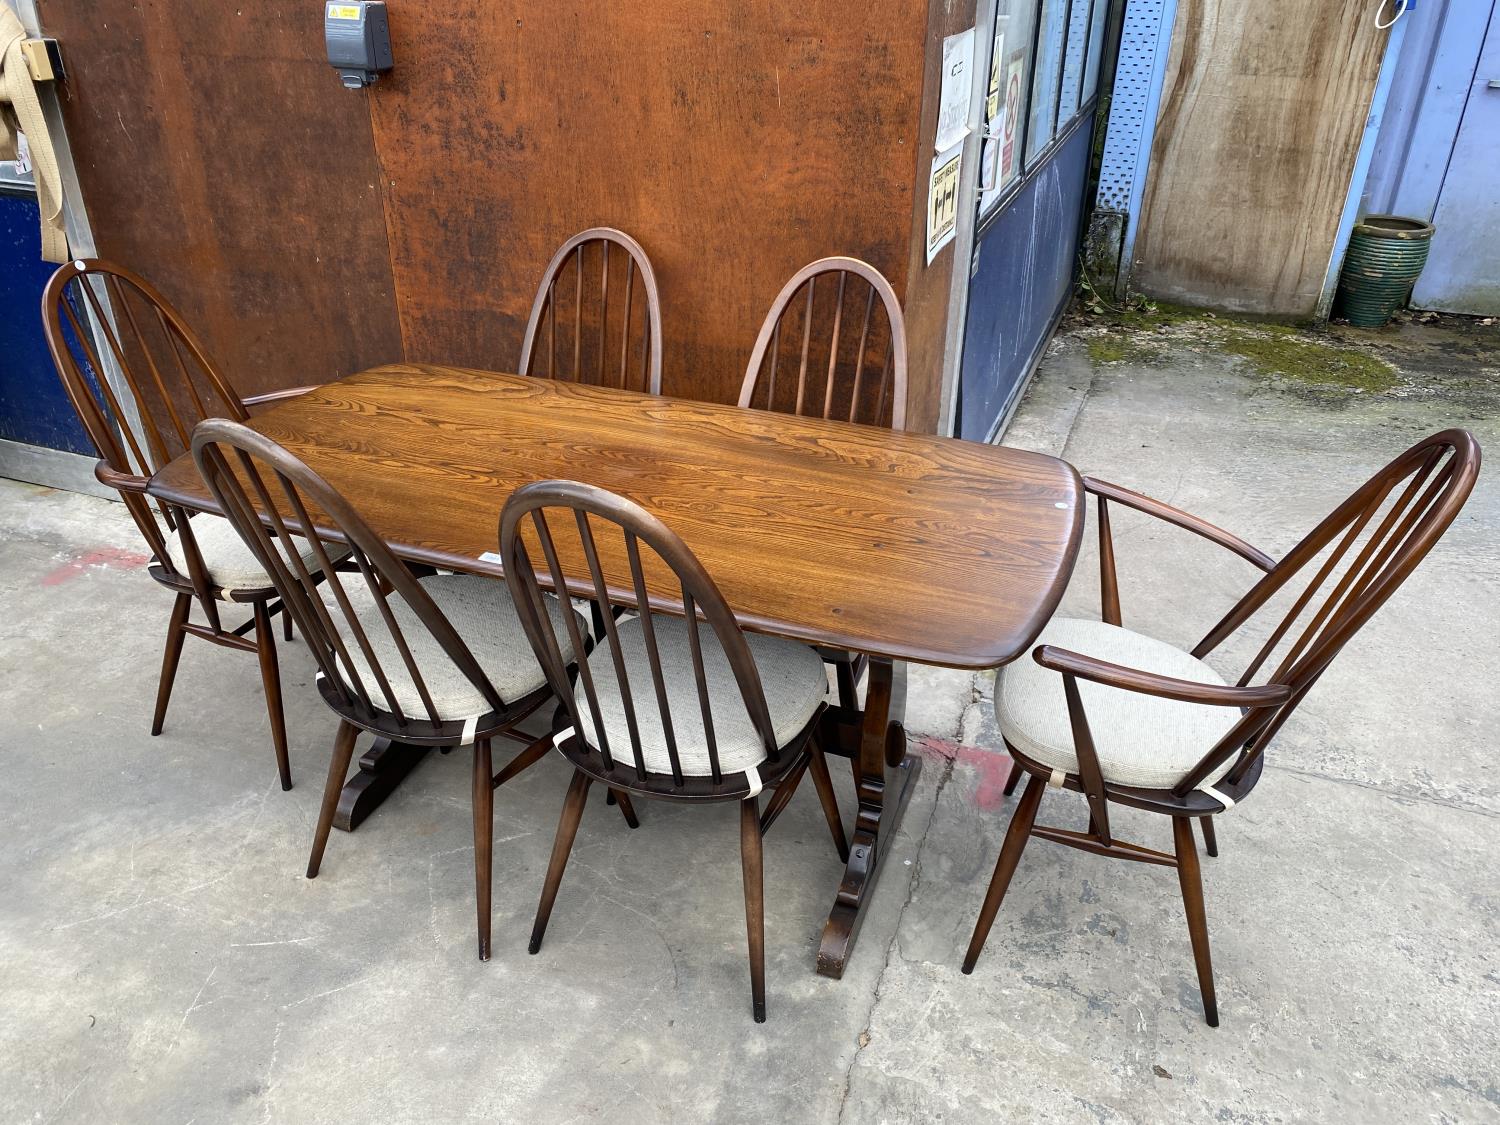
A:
<point x="163" y="959"/>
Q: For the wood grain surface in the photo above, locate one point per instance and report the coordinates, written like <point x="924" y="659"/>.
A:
<point x="1260" y="121"/>
<point x="219" y="157"/>
<point x="737" y="142"/>
<point x="899" y="545"/>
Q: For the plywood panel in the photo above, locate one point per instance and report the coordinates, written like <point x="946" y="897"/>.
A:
<point x="1262" y="112"/>
<point x="736" y="141"/>
<point x="219" y="156"/>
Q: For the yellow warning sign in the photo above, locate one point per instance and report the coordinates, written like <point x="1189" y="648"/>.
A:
<point x="343" y="11"/>
<point x="942" y="200"/>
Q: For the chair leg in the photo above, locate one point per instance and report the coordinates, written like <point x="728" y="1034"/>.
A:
<point x="484" y="837"/>
<point x="1192" y="898"/>
<point x="1210" y="840"/>
<point x="338" y="770"/>
<point x="527" y="758"/>
<point x="823" y="783"/>
<point x="1010" y="855"/>
<point x="175" y="636"/>
<point x="627" y="810"/>
<point x="848" y="686"/>
<point x="286" y="622"/>
<point x="270" y="676"/>
<point x="752" y="862"/>
<point x="1014" y="779"/>
<point x="567" y="828"/>
<point x="782" y="795"/>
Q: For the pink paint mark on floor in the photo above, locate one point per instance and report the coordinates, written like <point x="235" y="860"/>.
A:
<point x="993" y="767"/>
<point x="109" y="557"/>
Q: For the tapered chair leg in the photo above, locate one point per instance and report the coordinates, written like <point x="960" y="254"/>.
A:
<point x="752" y="861"/>
<point x="823" y="783"/>
<point x="1189" y="877"/>
<point x="782" y="795"/>
<point x="567" y="828"/>
<point x="286" y="622"/>
<point x="338" y="770"/>
<point x="1014" y="779"/>
<point x="175" y="636"/>
<point x="627" y="809"/>
<point x="848" y="686"/>
<point x="1210" y="840"/>
<point x="1010" y="855"/>
<point x="484" y="836"/>
<point x="523" y="761"/>
<point x="270" y="676"/>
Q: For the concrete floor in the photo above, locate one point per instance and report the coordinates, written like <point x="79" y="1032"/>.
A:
<point x="162" y="959"/>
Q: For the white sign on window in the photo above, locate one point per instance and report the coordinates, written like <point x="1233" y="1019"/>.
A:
<point x="958" y="84"/>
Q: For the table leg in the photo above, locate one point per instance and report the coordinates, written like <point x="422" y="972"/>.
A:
<point x="885" y="779"/>
<point x="381" y="768"/>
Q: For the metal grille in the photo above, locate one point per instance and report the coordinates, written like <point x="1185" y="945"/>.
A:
<point x="1129" y="105"/>
<point x="1073" y="60"/>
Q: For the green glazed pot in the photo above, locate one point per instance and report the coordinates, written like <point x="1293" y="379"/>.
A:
<point x="1385" y="256"/>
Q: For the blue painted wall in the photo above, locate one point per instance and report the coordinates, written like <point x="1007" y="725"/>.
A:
<point x="33" y="407"/>
<point x="1023" y="277"/>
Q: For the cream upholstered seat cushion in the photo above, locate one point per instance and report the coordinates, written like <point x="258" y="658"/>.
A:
<point x="1141" y="740"/>
<point x="230" y="562"/>
<point x="791" y="676"/>
<point x="481" y="612"/>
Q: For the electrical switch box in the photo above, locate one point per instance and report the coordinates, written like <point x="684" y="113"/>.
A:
<point x="359" y="40"/>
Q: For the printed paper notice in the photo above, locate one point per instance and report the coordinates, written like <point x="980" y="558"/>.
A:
<point x="942" y="200"/>
<point x="958" y="85"/>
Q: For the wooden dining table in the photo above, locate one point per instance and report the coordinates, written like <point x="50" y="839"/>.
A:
<point x="900" y="546"/>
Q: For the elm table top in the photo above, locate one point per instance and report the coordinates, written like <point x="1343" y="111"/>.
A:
<point x="898" y="545"/>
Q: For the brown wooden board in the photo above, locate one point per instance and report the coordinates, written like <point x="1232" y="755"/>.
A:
<point x="219" y="157"/>
<point x="1261" y="118"/>
<point x="737" y="142"/>
<point x="896" y="544"/>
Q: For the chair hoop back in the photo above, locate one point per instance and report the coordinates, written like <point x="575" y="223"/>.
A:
<point x="273" y="499"/>
<point x="851" y="389"/>
<point x="637" y="562"/>
<point x="139" y="380"/>
<point x="1359" y="555"/>
<point x="591" y="355"/>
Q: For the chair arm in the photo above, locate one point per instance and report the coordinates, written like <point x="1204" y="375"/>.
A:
<point x="1178" y="518"/>
<point x="1150" y="683"/>
<point x="123" y="482"/>
<point x="276" y="396"/>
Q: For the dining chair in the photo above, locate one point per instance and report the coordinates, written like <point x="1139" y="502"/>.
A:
<point x="439" y="660"/>
<point x="660" y="708"/>
<point x="1126" y="719"/>
<point x="138" y="422"/>
<point x="819" y="326"/>
<point x="577" y="286"/>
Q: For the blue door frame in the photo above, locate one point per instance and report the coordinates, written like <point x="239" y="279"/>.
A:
<point x="1026" y="246"/>
<point x="34" y="410"/>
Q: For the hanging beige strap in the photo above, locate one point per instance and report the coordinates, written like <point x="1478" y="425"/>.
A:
<point x="21" y="111"/>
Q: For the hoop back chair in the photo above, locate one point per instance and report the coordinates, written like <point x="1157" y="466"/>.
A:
<point x="167" y="384"/>
<point x="610" y="344"/>
<point x="843" y="333"/>
<point x="1139" y="723"/>
<point x="390" y="659"/>
<point x="664" y="707"/>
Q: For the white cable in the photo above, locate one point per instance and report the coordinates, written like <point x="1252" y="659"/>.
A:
<point x="1401" y="6"/>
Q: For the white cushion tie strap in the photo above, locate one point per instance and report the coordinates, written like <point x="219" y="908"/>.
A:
<point x="752" y="779"/>
<point x="471" y="725"/>
<point x="1056" y="778"/>
<point x="562" y="736"/>
<point x="1219" y="795"/>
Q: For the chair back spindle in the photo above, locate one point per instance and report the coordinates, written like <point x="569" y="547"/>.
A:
<point x="1336" y="578"/>
<point x="597" y="545"/>
<point x="597" y="315"/>
<point x="139" y="380"/>
<point x="832" y="346"/>
<point x="274" y="500"/>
